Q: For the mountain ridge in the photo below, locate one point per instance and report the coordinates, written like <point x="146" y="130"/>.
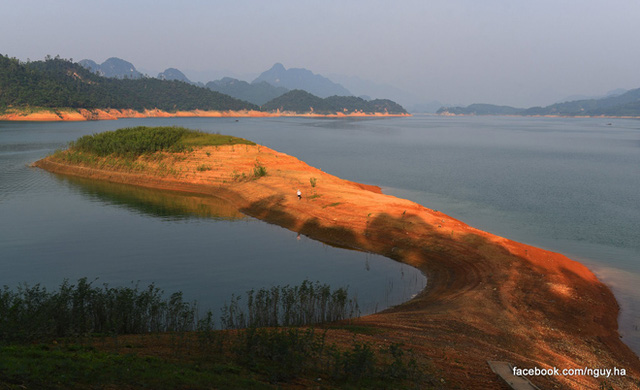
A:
<point x="302" y="102"/>
<point x="66" y="88"/>
<point x="113" y="67"/>
<point x="614" y="105"/>
<point x="257" y="93"/>
<point x="301" y="78"/>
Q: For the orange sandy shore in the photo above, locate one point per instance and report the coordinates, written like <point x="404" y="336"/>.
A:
<point x="57" y="115"/>
<point x="487" y="297"/>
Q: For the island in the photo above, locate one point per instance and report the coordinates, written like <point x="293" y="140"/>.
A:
<point x="487" y="298"/>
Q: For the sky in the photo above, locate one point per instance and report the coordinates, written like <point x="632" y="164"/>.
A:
<point x="509" y="52"/>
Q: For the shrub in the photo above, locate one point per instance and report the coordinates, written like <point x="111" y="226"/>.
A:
<point x="259" y="170"/>
<point x="136" y="141"/>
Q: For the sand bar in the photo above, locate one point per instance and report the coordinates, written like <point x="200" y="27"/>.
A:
<point x="487" y="297"/>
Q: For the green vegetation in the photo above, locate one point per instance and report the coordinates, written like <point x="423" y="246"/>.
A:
<point x="308" y="303"/>
<point x="81" y="367"/>
<point x="204" y="167"/>
<point x="56" y="83"/>
<point x="259" y="170"/>
<point x="302" y="102"/>
<point x="73" y="338"/>
<point x="136" y="141"/>
<point x="35" y="314"/>
<point x="313" y="181"/>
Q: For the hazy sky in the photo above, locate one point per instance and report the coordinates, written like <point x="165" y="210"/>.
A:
<point x="513" y="52"/>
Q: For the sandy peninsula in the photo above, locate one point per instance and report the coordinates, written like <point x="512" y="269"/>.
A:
<point x="82" y="114"/>
<point x="487" y="297"/>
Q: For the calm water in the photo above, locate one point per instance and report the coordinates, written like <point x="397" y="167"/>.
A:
<point x="569" y="185"/>
<point x="56" y="227"/>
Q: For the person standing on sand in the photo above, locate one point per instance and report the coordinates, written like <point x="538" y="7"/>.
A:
<point x="299" y="195"/>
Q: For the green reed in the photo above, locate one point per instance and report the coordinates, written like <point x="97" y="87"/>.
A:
<point x="307" y="303"/>
<point x="34" y="313"/>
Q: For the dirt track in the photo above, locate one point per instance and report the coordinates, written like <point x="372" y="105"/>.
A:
<point x="487" y="298"/>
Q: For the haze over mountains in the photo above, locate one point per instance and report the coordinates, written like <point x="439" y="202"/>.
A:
<point x="58" y="85"/>
<point x="173" y="74"/>
<point x="273" y="83"/>
<point x="112" y="67"/>
<point x="257" y="92"/>
<point x="300" y="78"/>
<point x="279" y="80"/>
<point x="625" y="104"/>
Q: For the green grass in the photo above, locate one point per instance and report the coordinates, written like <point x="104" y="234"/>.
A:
<point x="77" y="367"/>
<point x="255" y="358"/>
<point x="197" y="138"/>
<point x="136" y="141"/>
<point x="358" y="329"/>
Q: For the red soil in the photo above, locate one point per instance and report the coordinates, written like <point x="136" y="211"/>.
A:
<point x="487" y="297"/>
<point x="111" y="114"/>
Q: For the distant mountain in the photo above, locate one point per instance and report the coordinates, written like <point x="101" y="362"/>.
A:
<point x="257" y="93"/>
<point x="91" y="66"/>
<point x="173" y="74"/>
<point x="112" y="67"/>
<point x="302" y="102"/>
<point x="626" y="104"/>
<point x="481" y="109"/>
<point x="304" y="79"/>
<point x="615" y="92"/>
<point x="57" y="83"/>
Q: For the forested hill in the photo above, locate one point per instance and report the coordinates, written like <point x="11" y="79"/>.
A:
<point x="56" y="83"/>
<point x="302" y="102"/>
<point x="626" y="104"/>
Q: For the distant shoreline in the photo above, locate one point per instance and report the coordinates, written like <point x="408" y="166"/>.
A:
<point x="82" y="114"/>
<point x="544" y="116"/>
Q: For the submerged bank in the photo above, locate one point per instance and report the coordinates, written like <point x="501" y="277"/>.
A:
<point x="488" y="298"/>
<point x="82" y="114"/>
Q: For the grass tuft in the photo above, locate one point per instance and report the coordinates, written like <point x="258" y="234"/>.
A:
<point x="136" y="141"/>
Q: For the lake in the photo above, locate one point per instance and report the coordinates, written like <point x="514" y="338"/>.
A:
<point x="571" y="185"/>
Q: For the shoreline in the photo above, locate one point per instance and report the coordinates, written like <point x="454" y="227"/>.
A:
<point x="81" y="114"/>
<point x="487" y="297"/>
<point x="544" y="116"/>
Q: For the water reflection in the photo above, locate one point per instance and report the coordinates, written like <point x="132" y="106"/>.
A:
<point x="168" y="205"/>
<point x="197" y="244"/>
